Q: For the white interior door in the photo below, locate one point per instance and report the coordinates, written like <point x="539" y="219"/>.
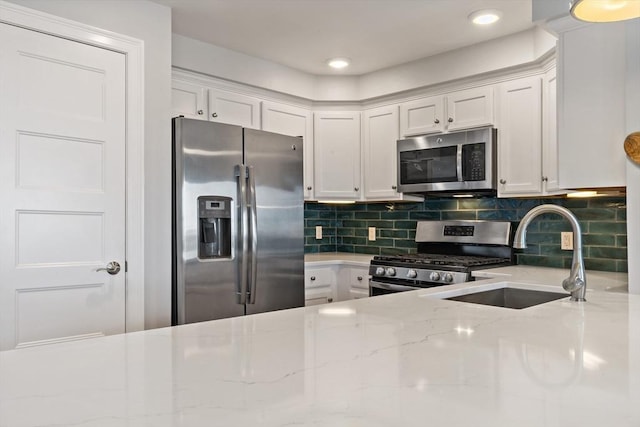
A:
<point x="62" y="186"/>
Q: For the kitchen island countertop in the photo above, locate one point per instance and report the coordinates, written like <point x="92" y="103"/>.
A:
<point x="406" y="359"/>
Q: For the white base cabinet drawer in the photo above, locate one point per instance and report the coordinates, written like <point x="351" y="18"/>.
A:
<point x="359" y="293"/>
<point x="319" y="286"/>
<point x="318" y="296"/>
<point x="319" y="277"/>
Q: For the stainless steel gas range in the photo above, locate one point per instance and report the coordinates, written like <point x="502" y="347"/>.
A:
<point x="448" y="253"/>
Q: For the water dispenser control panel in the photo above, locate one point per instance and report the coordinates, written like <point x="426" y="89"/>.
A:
<point x="214" y="223"/>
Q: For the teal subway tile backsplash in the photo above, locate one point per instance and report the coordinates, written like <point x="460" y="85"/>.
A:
<point x="603" y="222"/>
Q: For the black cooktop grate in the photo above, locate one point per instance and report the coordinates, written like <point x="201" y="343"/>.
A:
<point x="441" y="259"/>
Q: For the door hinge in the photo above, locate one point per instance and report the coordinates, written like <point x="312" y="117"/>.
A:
<point x="126" y="266"/>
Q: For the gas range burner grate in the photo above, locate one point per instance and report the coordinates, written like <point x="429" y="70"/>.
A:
<point x="440" y="259"/>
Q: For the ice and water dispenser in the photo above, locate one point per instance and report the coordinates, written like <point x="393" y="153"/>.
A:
<point x="214" y="221"/>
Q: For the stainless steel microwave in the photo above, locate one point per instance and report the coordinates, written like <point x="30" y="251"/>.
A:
<point x="456" y="162"/>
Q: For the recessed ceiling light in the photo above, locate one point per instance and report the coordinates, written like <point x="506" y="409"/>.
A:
<point x="338" y="63"/>
<point x="485" y="16"/>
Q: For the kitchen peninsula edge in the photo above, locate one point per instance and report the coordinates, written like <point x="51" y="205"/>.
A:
<point x="399" y="359"/>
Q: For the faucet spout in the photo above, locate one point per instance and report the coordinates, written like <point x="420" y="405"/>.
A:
<point x="576" y="283"/>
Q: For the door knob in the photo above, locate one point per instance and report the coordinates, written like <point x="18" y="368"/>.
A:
<point x="112" y="268"/>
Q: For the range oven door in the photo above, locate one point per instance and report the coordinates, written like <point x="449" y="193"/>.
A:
<point x="383" y="288"/>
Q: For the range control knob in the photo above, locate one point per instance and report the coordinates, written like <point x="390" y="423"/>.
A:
<point x="448" y="277"/>
<point x="412" y="274"/>
<point x="391" y="271"/>
<point x="434" y="276"/>
<point x="379" y="271"/>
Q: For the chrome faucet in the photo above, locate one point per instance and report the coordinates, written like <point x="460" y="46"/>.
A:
<point x="576" y="283"/>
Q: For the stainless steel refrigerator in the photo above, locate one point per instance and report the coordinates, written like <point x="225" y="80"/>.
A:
<point x="238" y="238"/>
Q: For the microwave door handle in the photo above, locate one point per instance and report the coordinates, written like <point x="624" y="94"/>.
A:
<point x="459" y="162"/>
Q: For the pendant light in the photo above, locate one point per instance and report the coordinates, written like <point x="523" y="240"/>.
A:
<point x="605" y="10"/>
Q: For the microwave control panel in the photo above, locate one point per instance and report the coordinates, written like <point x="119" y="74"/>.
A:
<point x="473" y="162"/>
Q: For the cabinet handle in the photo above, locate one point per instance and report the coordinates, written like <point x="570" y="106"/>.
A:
<point x="545" y="179"/>
<point x="309" y="188"/>
<point x="357" y="188"/>
<point x="200" y="112"/>
<point x="214" y="115"/>
<point x="450" y="120"/>
<point x="313" y="278"/>
<point x="436" y="121"/>
<point x="503" y="181"/>
<point x="329" y="299"/>
<point x="359" y="278"/>
<point x="393" y="187"/>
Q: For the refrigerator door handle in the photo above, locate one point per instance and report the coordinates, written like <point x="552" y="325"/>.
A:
<point x="243" y="232"/>
<point x="254" y="235"/>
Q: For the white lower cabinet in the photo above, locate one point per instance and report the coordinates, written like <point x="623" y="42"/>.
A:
<point x="358" y="282"/>
<point x="335" y="282"/>
<point x="319" y="285"/>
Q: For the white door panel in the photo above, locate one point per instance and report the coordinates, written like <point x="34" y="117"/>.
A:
<point x="62" y="182"/>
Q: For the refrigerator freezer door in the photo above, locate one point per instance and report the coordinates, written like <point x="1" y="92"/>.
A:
<point x="276" y="164"/>
<point x="205" y="159"/>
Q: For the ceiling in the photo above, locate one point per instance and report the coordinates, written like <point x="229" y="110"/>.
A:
<point x="374" y="34"/>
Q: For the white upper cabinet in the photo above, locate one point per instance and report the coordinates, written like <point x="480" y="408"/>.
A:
<point x="234" y="109"/>
<point x="380" y="134"/>
<point x="520" y="138"/>
<point x="293" y="121"/>
<point x="337" y="155"/>
<point x="188" y="100"/>
<point x="527" y="138"/>
<point x="422" y="116"/>
<point x="550" y="175"/>
<point x="463" y="109"/>
<point x="470" y="108"/>
<point x="591" y="110"/>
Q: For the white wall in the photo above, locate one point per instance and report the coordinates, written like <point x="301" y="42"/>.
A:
<point x="194" y="55"/>
<point x="549" y="9"/>
<point x="506" y="52"/>
<point x="498" y="54"/>
<point x="151" y="23"/>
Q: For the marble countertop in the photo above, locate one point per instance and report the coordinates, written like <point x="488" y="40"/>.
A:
<point x="407" y="359"/>
<point x="332" y="258"/>
<point x="599" y="280"/>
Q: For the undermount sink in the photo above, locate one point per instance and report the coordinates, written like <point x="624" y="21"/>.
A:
<point x="509" y="297"/>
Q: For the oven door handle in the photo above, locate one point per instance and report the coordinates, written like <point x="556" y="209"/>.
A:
<point x="392" y="287"/>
